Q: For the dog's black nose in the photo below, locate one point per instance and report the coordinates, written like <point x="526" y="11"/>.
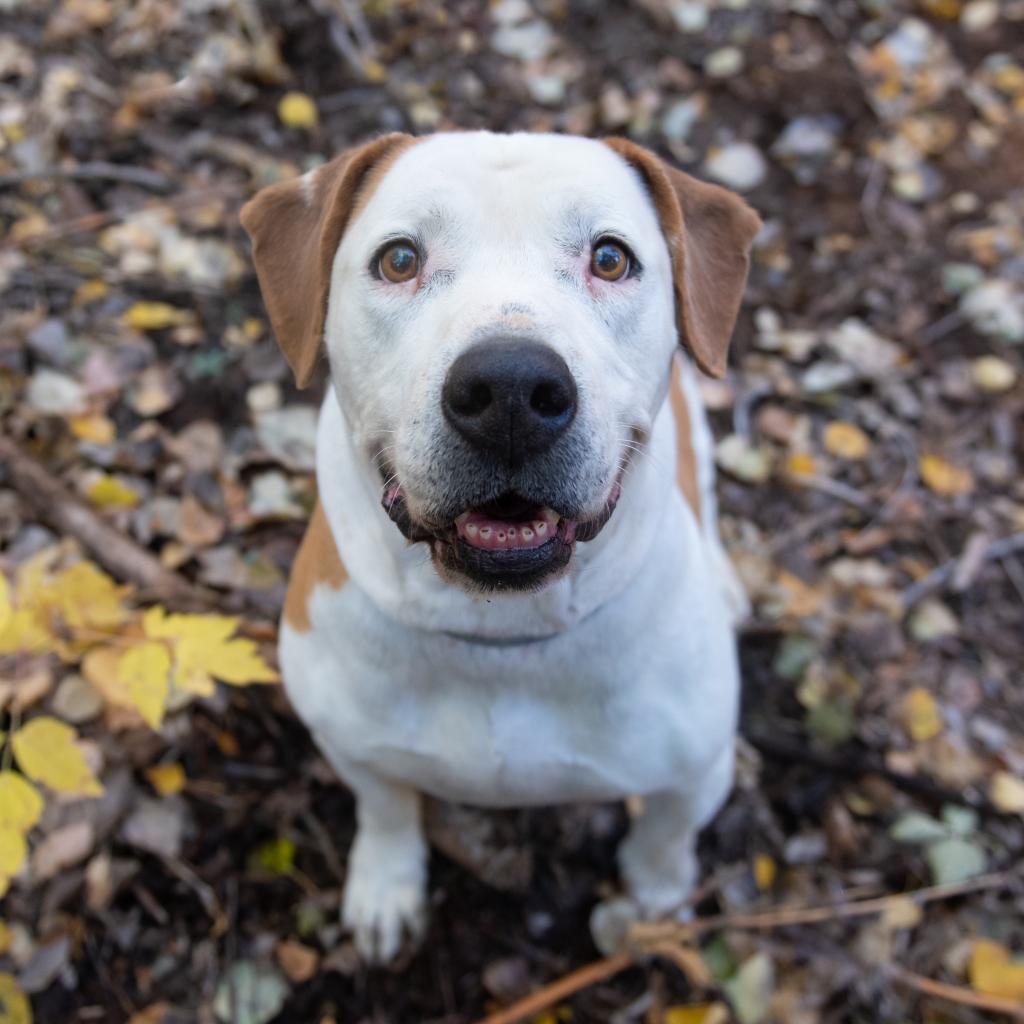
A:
<point x="511" y="398"/>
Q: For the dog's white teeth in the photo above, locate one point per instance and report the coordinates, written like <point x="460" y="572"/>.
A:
<point x="471" y="528"/>
<point x="527" y="533"/>
<point x="485" y="532"/>
<point x="540" y="528"/>
<point x="460" y="520"/>
<point x="550" y="516"/>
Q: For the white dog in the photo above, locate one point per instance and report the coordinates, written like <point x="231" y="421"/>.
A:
<point x="512" y="590"/>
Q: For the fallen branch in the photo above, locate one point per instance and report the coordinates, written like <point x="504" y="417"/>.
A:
<point x="937" y="578"/>
<point x="127" y="561"/>
<point x="653" y="939"/>
<point x="95" y="171"/>
<point x="956" y="993"/>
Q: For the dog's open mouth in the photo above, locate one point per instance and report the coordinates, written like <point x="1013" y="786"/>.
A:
<point x="508" y="543"/>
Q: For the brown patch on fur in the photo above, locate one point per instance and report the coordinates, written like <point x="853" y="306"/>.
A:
<point x="296" y="227"/>
<point x="317" y="562"/>
<point x="709" y="231"/>
<point x="686" y="457"/>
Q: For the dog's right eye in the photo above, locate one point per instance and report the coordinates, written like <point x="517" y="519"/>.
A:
<point x="399" y="262"/>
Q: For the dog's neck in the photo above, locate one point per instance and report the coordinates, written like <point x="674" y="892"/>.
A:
<point x="401" y="580"/>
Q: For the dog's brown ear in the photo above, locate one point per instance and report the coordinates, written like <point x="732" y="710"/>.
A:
<point x="709" y="232"/>
<point x="296" y="227"/>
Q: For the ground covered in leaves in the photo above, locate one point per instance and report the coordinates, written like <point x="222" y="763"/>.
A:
<point x="173" y="848"/>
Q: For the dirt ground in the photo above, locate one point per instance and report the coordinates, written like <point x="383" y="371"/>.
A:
<point x="871" y="437"/>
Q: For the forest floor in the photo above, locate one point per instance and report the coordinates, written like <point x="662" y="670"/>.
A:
<point x="871" y="441"/>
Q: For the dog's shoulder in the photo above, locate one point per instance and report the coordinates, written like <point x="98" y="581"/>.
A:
<point x="686" y="456"/>
<point x="316" y="562"/>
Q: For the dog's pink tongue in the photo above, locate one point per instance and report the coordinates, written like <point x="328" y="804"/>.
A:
<point x="490" y="534"/>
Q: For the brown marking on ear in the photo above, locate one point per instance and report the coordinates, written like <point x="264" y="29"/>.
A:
<point x="316" y="562"/>
<point x="709" y="231"/>
<point x="686" y="457"/>
<point x="296" y="227"/>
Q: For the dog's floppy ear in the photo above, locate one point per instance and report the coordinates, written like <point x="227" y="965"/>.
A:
<point x="296" y="227"/>
<point x="709" y="231"/>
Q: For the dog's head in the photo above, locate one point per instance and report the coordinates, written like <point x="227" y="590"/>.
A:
<point x="499" y="313"/>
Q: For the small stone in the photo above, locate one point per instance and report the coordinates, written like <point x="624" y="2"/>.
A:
<point x="736" y="455"/>
<point x="724" y="62"/>
<point x="49" y="341"/>
<point x="933" y="621"/>
<point x="738" y="165"/>
<point x="55" y="394"/>
<point x="996" y="309"/>
<point x="958" y="278"/>
<point x="679" y="119"/>
<point x="77" y="700"/>
<point x="548" y="90"/>
<point x="690" y="16"/>
<point x="979" y="15"/>
<point x="532" y="40"/>
<point x="808" y="137"/>
<point x="993" y="374"/>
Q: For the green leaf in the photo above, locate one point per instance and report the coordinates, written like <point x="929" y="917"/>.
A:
<point x="955" y="860"/>
<point x="250" y="993"/>
<point x="915" y="827"/>
<point x="276" y="856"/>
<point x="962" y="821"/>
<point x="750" y="989"/>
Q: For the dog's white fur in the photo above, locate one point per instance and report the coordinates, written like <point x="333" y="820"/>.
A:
<point x="618" y="678"/>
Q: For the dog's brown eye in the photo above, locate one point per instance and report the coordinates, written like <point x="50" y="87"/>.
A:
<point x="609" y="261"/>
<point x="399" y="262"/>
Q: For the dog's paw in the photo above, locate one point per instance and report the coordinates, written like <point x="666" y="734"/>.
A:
<point x="611" y="920"/>
<point x="384" y="905"/>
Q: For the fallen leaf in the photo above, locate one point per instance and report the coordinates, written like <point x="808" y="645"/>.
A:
<point x="13" y="851"/>
<point x="800" y="464"/>
<point x="167" y="779"/>
<point x="299" y="962"/>
<point x="109" y="492"/>
<point x="750" y="988"/>
<point x="14" y="1005"/>
<point x="94" y="428"/>
<point x="250" y="993"/>
<point x="1007" y="792"/>
<point x="993" y="374"/>
<point x="144" y="671"/>
<point x="297" y="110"/>
<point x="955" y="860"/>
<point x="944" y="478"/>
<point x="154" y="316"/>
<point x="275" y="855"/>
<point x="46" y="751"/>
<point x="992" y="971"/>
<point x="765" y="870"/>
<point x="62" y="848"/>
<point x="846" y="440"/>
<point x="921" y="715"/>
<point x="20" y="802"/>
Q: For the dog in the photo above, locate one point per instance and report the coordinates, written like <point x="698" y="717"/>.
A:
<point x="511" y="591"/>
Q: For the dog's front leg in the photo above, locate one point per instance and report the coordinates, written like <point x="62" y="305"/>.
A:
<point x="385" y="886"/>
<point x="658" y="858"/>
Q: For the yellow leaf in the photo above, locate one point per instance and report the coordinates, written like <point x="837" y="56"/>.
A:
<point x="47" y="752"/>
<point x="846" y="440"/>
<point x="765" y="870"/>
<point x="167" y="779"/>
<point x="297" y="110"/>
<point x="109" y="492"/>
<point x="86" y="597"/>
<point x="6" y="938"/>
<point x="90" y="291"/>
<point x="13" y="850"/>
<point x="6" y="608"/>
<point x="1007" y="792"/>
<point x="993" y="972"/>
<point x="100" y="667"/>
<point x="24" y="633"/>
<point x="800" y="464"/>
<point x="203" y="650"/>
<point x="20" y="802"/>
<point x="94" y="427"/>
<point x="993" y="374"/>
<point x="687" y="1014"/>
<point x="154" y="316"/>
<point x="144" y="671"/>
<point x="944" y="478"/>
<point x="921" y="714"/>
<point x="14" y="1005"/>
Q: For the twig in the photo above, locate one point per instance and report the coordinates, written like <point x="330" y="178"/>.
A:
<point x="834" y="488"/>
<point x="583" y="977"/>
<point x="956" y="994"/>
<point x="938" y="578"/>
<point x="784" y="917"/>
<point x="97" y="170"/>
<point x="61" y="510"/>
<point x="653" y="939"/>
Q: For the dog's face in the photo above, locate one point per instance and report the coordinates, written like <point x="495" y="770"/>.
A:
<point x="500" y="317"/>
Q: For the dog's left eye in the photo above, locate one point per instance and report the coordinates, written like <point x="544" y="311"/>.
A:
<point x="609" y="261"/>
<point x="399" y="262"/>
